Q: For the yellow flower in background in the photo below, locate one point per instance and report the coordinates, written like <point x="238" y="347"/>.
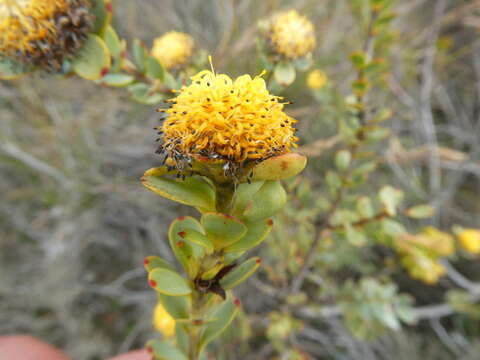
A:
<point x="431" y="240"/>
<point x="316" y="79"/>
<point x="163" y="321"/>
<point x="43" y="32"/>
<point x="423" y="268"/>
<point x="238" y="121"/>
<point x="173" y="49"/>
<point x="292" y="35"/>
<point x="470" y="240"/>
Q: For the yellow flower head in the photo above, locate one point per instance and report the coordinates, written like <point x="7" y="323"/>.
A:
<point x="43" y="32"/>
<point x="237" y="121"/>
<point x="316" y="79"/>
<point x="470" y="240"/>
<point x="173" y="49"/>
<point x="431" y="241"/>
<point x="163" y="321"/>
<point x="292" y="35"/>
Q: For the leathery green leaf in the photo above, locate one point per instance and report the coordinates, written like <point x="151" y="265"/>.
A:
<point x="154" y="68"/>
<point x="177" y="306"/>
<point x="256" y="233"/>
<point x="284" y="73"/>
<point x="102" y="11"/>
<point x="198" y="238"/>
<point x="267" y="201"/>
<point x="244" y="194"/>
<point x="222" y="229"/>
<point x="93" y="60"/>
<point x="223" y="315"/>
<point x="168" y="282"/>
<point x="193" y="191"/>
<point x="240" y="273"/>
<point x="153" y="262"/>
<point x="163" y="350"/>
<point x="185" y="251"/>
<point x="280" y="167"/>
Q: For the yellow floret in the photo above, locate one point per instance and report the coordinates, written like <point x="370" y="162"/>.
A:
<point x="163" y="321"/>
<point x="173" y="49"/>
<point x="292" y="35"/>
<point x="470" y="240"/>
<point x="42" y="32"/>
<point x="316" y="79"/>
<point x="423" y="268"/>
<point x="220" y="118"/>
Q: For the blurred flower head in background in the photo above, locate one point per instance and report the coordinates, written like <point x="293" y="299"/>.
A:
<point x="216" y="117"/>
<point x="163" y="322"/>
<point x="292" y="35"/>
<point x="173" y="49"/>
<point x="316" y="79"/>
<point x="42" y="33"/>
<point x="470" y="240"/>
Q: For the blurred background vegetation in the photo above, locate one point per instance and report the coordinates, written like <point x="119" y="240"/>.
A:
<point x="76" y="223"/>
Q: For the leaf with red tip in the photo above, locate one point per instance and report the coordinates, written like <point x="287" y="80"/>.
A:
<point x="256" y="233"/>
<point x="153" y="262"/>
<point x="163" y="350"/>
<point x="177" y="306"/>
<point x="280" y="167"/>
<point x="240" y="273"/>
<point x="222" y="229"/>
<point x="92" y="61"/>
<point x="168" y="282"/>
<point x="186" y="252"/>
<point x="198" y="238"/>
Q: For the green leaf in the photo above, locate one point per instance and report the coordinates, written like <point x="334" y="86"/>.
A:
<point x="365" y="207"/>
<point x="267" y="201"/>
<point x="163" y="350"/>
<point x="168" y="282"/>
<point x="284" y="73"/>
<point x="240" y="273"/>
<point x="333" y="180"/>
<point x="280" y="167"/>
<point x="153" y="262"/>
<point x="256" y="233"/>
<point x="420" y="211"/>
<point x="185" y="251"/>
<point x="198" y="238"/>
<point x="392" y="228"/>
<point x="117" y="80"/>
<point x="343" y="159"/>
<point x="354" y="236"/>
<point x="244" y="194"/>
<point x="139" y="55"/>
<point x="154" y="68"/>
<point x="10" y="69"/>
<point x="358" y="59"/>
<point x="170" y="81"/>
<point x="303" y="64"/>
<point x="193" y="191"/>
<point x="390" y="198"/>
<point x="177" y="306"/>
<point x="222" y="229"/>
<point x="102" y="12"/>
<point x="145" y="94"/>
<point x="181" y="336"/>
<point x="112" y="41"/>
<point x="223" y="315"/>
<point x="93" y="60"/>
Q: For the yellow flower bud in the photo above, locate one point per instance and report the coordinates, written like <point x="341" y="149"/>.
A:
<point x="163" y="321"/>
<point x="470" y="240"/>
<point x="316" y="79"/>
<point x="173" y="49"/>
<point x="292" y="35"/>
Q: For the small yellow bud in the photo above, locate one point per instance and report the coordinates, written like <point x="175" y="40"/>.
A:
<point x="173" y="49"/>
<point x="316" y="79"/>
<point x="470" y="240"/>
<point x="163" y="321"/>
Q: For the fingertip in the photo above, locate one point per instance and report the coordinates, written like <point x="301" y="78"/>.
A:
<point x="25" y="347"/>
